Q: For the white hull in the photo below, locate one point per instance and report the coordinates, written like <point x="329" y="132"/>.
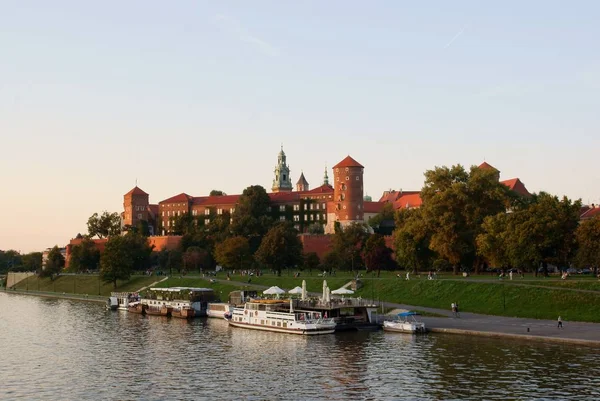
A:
<point x="218" y="310"/>
<point x="306" y="332"/>
<point x="404" y="327"/>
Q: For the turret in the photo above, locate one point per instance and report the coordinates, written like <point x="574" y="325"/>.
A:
<point x="348" y="192"/>
<point x="302" y="184"/>
<point x="282" y="181"/>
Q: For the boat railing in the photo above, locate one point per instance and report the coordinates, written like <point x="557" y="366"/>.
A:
<point x="334" y="303"/>
<point x="320" y="321"/>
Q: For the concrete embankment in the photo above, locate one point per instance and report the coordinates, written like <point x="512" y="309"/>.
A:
<point x="77" y="297"/>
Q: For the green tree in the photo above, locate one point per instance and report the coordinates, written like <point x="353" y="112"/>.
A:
<point x="106" y="225"/>
<point x="197" y="258"/>
<point x="32" y="261"/>
<point x="184" y="224"/>
<point x="455" y="203"/>
<point x="588" y="239"/>
<point x="411" y="240"/>
<point x="251" y="216"/>
<point x="493" y="243"/>
<point x="280" y="248"/>
<point x="216" y="192"/>
<point x="311" y="261"/>
<point x="376" y="254"/>
<point x="54" y="263"/>
<point x="348" y="243"/>
<point x="10" y="260"/>
<point x="84" y="256"/>
<point x="386" y="214"/>
<point x="175" y="261"/>
<point x="234" y="253"/>
<point x="123" y="255"/>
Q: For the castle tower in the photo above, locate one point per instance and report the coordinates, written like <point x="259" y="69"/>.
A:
<point x="302" y="184"/>
<point x="282" y="181"/>
<point x="348" y="192"/>
<point x="325" y="177"/>
<point x="136" y="205"/>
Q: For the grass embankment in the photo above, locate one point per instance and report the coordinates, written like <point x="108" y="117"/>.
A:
<point x="83" y="284"/>
<point x="500" y="299"/>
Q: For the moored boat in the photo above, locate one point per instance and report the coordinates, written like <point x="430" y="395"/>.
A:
<point x="184" y="312"/>
<point x="112" y="303"/>
<point x="159" y="310"/>
<point x="405" y="322"/>
<point x="137" y="307"/>
<point x="218" y="309"/>
<point x="271" y="315"/>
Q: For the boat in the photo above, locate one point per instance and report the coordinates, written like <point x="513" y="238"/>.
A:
<point x="405" y="322"/>
<point x="218" y="309"/>
<point x="124" y="299"/>
<point x="159" y="310"/>
<point x="137" y="307"/>
<point x="180" y="297"/>
<point x="112" y="303"/>
<point x="184" y="312"/>
<point x="271" y="315"/>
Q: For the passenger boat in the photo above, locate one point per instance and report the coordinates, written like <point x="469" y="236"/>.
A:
<point x="159" y="310"/>
<point x="184" y="312"/>
<point x="137" y="307"/>
<point x="405" y="322"/>
<point x="218" y="309"/>
<point x="112" y="303"/>
<point x="180" y="297"/>
<point x="271" y="315"/>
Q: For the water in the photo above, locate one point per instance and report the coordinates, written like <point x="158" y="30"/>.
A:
<point x="69" y="350"/>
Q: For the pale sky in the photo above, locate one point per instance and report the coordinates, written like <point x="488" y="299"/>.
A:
<point x="189" y="96"/>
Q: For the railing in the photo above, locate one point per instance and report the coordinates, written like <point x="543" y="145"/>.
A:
<point x="334" y="303"/>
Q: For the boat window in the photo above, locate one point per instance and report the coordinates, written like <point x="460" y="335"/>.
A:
<point x="284" y="324"/>
<point x="278" y="324"/>
<point x="262" y="322"/>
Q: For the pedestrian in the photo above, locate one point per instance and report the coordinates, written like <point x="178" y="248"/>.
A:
<point x="510" y="273"/>
<point x="453" y="306"/>
<point x="560" y="325"/>
<point x="456" y="309"/>
<point x="407" y="276"/>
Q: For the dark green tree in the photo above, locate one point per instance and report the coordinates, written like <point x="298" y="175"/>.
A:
<point x="32" y="261"/>
<point x="234" y="253"/>
<point x="376" y="254"/>
<point x="411" y="240"/>
<point x="311" y="262"/>
<point x="175" y="261"/>
<point x="106" y="225"/>
<point x="386" y="214"/>
<point x="84" y="256"/>
<point x="216" y="192"/>
<point x="251" y="216"/>
<point x="588" y="239"/>
<point x="348" y="243"/>
<point x="54" y="263"/>
<point x="123" y="255"/>
<point x="280" y="248"/>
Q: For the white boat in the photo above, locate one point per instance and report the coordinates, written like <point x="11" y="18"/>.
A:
<point x="112" y="303"/>
<point x="405" y="322"/>
<point x="123" y="299"/>
<point x="271" y="315"/>
<point x="218" y="309"/>
<point x="180" y="297"/>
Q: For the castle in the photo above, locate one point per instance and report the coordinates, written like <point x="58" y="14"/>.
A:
<point x="343" y="202"/>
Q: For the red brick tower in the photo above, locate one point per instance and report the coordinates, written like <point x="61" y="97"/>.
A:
<point x="135" y="203"/>
<point x="348" y="191"/>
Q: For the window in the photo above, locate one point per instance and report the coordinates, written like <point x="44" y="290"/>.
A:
<point x="194" y="212"/>
<point x="296" y="217"/>
<point x="343" y="187"/>
<point x="168" y="213"/>
<point x="317" y="206"/>
<point x="140" y="216"/>
<point x="282" y="208"/>
<point x="268" y="208"/>
<point x="324" y="217"/>
<point x="207" y="212"/>
<point x="337" y="179"/>
<point x="281" y="218"/>
<point x="311" y="206"/>
<point x="312" y="217"/>
<point x="163" y="213"/>
<point x="306" y="206"/>
<point x="169" y="223"/>
<point x="206" y="221"/>
<point x="342" y="196"/>
<point x="337" y="170"/>
<point x="344" y="207"/>
<point x="296" y="207"/>
<point x="347" y="169"/>
<point x="357" y="178"/>
<point x="305" y="217"/>
<point x="232" y="210"/>
<point x="323" y="206"/>
<point x="219" y="211"/>
<point x="297" y="227"/>
<point x="178" y="213"/>
<point x="347" y="178"/>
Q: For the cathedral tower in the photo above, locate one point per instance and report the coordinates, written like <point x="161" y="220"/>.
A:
<point x="302" y="184"/>
<point x="282" y="181"/>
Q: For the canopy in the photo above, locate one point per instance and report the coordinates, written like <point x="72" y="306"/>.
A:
<point x="303" y="290"/>
<point x="404" y="314"/>
<point x="274" y="291"/>
<point x="342" y="291"/>
<point x="296" y="290"/>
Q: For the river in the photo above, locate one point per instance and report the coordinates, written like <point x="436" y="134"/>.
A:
<point x="55" y="349"/>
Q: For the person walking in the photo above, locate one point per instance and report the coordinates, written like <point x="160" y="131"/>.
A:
<point x="510" y="274"/>
<point x="453" y="307"/>
<point x="560" y="324"/>
<point x="456" y="309"/>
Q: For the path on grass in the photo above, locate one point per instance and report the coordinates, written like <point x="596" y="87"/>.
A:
<point x="477" y="324"/>
<point x="153" y="284"/>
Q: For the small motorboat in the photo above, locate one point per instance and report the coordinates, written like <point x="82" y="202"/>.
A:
<point x="405" y="322"/>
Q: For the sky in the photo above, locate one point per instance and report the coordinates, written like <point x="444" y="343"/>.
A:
<point x="190" y="96"/>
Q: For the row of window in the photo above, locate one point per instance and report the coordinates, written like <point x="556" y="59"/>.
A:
<point x="173" y="204"/>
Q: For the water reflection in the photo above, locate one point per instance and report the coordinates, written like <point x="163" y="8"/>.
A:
<point x="62" y="350"/>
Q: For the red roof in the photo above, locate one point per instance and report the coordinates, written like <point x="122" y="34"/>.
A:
<point x="136" y="191"/>
<point x="514" y="184"/>
<point x="302" y="180"/>
<point x="486" y="165"/>
<point x="325" y="188"/>
<point x="393" y="195"/>
<point x="348" y="162"/>
<point x="591" y="213"/>
<point x="284" y="196"/>
<point x="182" y="197"/>
<point x="408" y="201"/>
<point x="373" y="207"/>
<point x="216" y="200"/>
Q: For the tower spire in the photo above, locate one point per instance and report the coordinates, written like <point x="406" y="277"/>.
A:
<point x="325" y="177"/>
<point x="282" y="181"/>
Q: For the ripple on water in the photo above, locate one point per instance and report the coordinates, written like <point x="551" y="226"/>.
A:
<point x="67" y="350"/>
